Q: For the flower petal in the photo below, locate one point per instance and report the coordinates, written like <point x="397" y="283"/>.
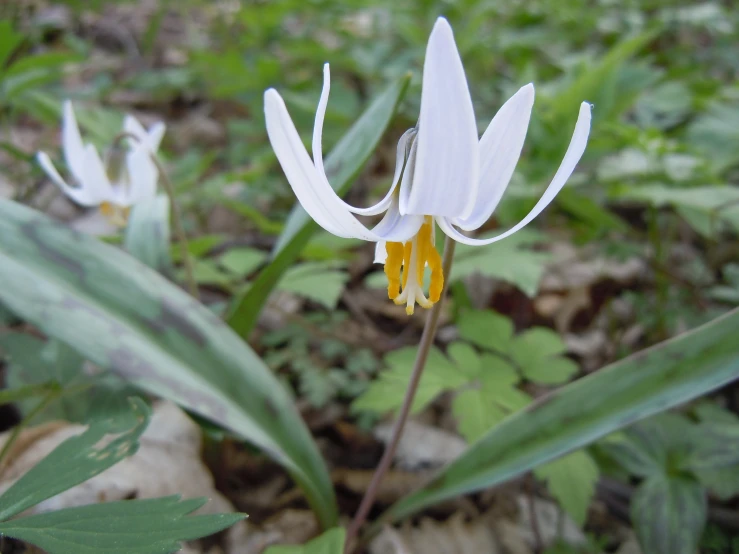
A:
<point x="142" y="174"/>
<point x="500" y="148"/>
<point x="96" y="179"/>
<point x="572" y="156"/>
<point x="151" y="138"/>
<point x="74" y="149"/>
<point x="310" y="186"/>
<point x="445" y="179"/>
<point x="380" y="252"/>
<point x="383" y="204"/>
<point x="82" y="196"/>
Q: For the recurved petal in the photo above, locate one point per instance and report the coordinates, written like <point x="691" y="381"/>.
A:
<point x="310" y="186"/>
<point x="445" y="179"/>
<point x="380" y="252"/>
<point x="572" y="156"/>
<point x="74" y="149"/>
<point x="96" y="179"/>
<point x="500" y="149"/>
<point x="81" y="196"/>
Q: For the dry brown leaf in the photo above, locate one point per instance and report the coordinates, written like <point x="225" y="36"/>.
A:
<point x="422" y="446"/>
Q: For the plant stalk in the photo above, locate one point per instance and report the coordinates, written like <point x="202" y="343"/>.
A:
<point x="427" y="340"/>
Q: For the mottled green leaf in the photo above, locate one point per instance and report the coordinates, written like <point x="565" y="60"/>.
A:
<point x="343" y="164"/>
<point x="147" y="233"/>
<point x="124" y="316"/>
<point x="669" y="514"/>
<point x="331" y="542"/>
<point x="78" y="459"/>
<point x="573" y="416"/>
<point x="150" y="526"/>
<point x="571" y="479"/>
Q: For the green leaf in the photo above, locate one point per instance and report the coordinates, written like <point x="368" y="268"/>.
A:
<point x="150" y="526"/>
<point x="242" y="261"/>
<point x="486" y="329"/>
<point x="723" y="482"/>
<point x="575" y="415"/>
<point x="669" y="514"/>
<point x="507" y="260"/>
<point x="124" y="316"/>
<point x="331" y="542"/>
<point x="387" y="392"/>
<point x="147" y="233"/>
<point x="78" y="458"/>
<point x="552" y="371"/>
<point x="476" y="413"/>
<point x="342" y="166"/>
<point x="715" y="135"/>
<point x="571" y="479"/>
<point x="319" y="282"/>
<point x="9" y="41"/>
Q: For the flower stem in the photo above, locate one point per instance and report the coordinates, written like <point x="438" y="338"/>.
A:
<point x="427" y="340"/>
<point x="52" y="395"/>
<point x="179" y="230"/>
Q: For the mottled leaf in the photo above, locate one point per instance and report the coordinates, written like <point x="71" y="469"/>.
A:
<point x="147" y="233"/>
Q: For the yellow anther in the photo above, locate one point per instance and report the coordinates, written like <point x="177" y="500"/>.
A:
<point x="392" y="268"/>
<point x="413" y="256"/>
<point x="117" y="215"/>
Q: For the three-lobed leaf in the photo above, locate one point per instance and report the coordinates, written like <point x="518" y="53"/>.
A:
<point x="151" y="526"/>
<point x="571" y="479"/>
<point x="78" y="459"/>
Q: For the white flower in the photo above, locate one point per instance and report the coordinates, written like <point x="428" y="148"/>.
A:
<point x="115" y="185"/>
<point x="444" y="173"/>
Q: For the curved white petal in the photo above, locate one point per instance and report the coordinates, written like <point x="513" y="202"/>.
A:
<point x="155" y="135"/>
<point x="396" y="227"/>
<point x="80" y="195"/>
<point x="317" y="146"/>
<point x="407" y="182"/>
<point x="310" y="186"/>
<point x="132" y="126"/>
<point x="74" y="149"/>
<point x="500" y="148"/>
<point x="445" y="180"/>
<point x="572" y="156"/>
<point x="142" y="175"/>
<point x="96" y="179"/>
<point x="151" y="138"/>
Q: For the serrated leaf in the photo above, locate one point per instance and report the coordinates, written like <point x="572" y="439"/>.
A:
<point x="669" y="514"/>
<point x="151" y="526"/>
<point x="571" y="479"/>
<point x="715" y="446"/>
<point x="319" y="282"/>
<point x="486" y="329"/>
<point x="330" y="542"/>
<point x="509" y="260"/>
<point x="387" y="392"/>
<point x="122" y="315"/>
<point x="575" y="415"/>
<point x="342" y="165"/>
<point x="147" y="233"/>
<point x="475" y="413"/>
<point x="78" y="458"/>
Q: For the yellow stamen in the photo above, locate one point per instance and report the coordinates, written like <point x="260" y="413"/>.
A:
<point x="117" y="215"/>
<point x="392" y="268"/>
<point x="413" y="256"/>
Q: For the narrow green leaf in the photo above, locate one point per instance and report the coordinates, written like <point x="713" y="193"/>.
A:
<point x="571" y="479"/>
<point x="331" y="542"/>
<point x="151" y="526"/>
<point x="124" y="316"/>
<point x="669" y="514"/>
<point x="78" y="459"/>
<point x="573" y="416"/>
<point x="342" y="166"/>
<point x="147" y="234"/>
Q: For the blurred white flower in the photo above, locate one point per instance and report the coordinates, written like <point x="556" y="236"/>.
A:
<point x="445" y="173"/>
<point x="125" y="178"/>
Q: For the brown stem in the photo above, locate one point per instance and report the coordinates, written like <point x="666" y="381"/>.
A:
<point x="538" y="541"/>
<point x="427" y="340"/>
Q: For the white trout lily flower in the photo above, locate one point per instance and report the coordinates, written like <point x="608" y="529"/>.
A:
<point x="444" y="173"/>
<point x="119" y="182"/>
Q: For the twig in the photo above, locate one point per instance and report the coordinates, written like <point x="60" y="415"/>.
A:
<point x="427" y="340"/>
